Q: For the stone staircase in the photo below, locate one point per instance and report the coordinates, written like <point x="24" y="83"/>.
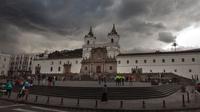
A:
<point x="114" y="93"/>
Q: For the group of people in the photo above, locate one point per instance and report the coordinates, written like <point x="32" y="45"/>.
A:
<point x="102" y="79"/>
<point x="23" y="88"/>
<point x="51" y="80"/>
<point x="119" y="79"/>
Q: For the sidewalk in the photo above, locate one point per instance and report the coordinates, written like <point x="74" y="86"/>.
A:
<point x="173" y="102"/>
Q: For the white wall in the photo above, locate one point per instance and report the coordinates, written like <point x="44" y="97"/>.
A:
<point x="182" y="68"/>
<point x="47" y="64"/>
<point x="4" y="64"/>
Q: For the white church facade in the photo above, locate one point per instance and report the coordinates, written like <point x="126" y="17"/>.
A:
<point x="182" y="63"/>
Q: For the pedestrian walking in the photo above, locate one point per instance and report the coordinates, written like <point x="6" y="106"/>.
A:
<point x="9" y="87"/>
<point x="49" y="80"/>
<point x="104" y="97"/>
<point x="21" y="92"/>
<point x="99" y="79"/>
<point x="54" y="80"/>
<point x="24" y="90"/>
<point x="38" y="78"/>
<point x="122" y="80"/>
<point x="117" y="80"/>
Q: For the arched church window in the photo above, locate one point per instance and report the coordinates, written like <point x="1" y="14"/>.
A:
<point x="88" y="42"/>
<point x="86" y="68"/>
<point x="112" y="40"/>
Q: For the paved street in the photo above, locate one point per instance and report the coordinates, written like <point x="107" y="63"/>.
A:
<point x="172" y="102"/>
<point x="12" y="107"/>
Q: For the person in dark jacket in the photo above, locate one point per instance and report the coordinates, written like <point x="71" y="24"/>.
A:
<point x="104" y="97"/>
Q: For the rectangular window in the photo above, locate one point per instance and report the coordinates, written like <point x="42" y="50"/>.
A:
<point x="163" y="60"/>
<point x="183" y="60"/>
<point x="193" y="59"/>
<point x="51" y="69"/>
<point x="110" y="67"/>
<point x="127" y="61"/>
<point x="190" y="70"/>
<point x="136" y="61"/>
<point x="119" y="62"/>
<point x="154" y="60"/>
<point x="164" y="70"/>
<point x="145" y="61"/>
<point x="173" y="60"/>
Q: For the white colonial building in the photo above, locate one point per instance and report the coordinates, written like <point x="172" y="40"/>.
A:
<point x="4" y="64"/>
<point x="21" y="64"/>
<point x="182" y="63"/>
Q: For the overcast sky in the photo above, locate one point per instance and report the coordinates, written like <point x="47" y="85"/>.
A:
<point x="28" y="26"/>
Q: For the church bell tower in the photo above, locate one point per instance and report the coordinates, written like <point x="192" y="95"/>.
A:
<point x="89" y="43"/>
<point x="113" y="47"/>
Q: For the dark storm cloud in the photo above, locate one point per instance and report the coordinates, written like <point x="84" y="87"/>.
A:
<point x="145" y="27"/>
<point x="35" y="25"/>
<point x="44" y="17"/>
<point x="58" y="16"/>
<point x="131" y="8"/>
<point x="166" y="37"/>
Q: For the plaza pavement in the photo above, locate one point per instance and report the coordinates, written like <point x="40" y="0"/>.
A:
<point x="172" y="102"/>
<point x="93" y="84"/>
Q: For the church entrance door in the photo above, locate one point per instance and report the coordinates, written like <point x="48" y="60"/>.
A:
<point x="98" y="69"/>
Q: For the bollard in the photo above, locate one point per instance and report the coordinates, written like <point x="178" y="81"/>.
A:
<point x="121" y="104"/>
<point x="188" y="97"/>
<point x="36" y="98"/>
<point x="195" y="97"/>
<point x="183" y="101"/>
<point x="96" y="104"/>
<point x="61" y="101"/>
<point x="164" y="104"/>
<point x="48" y="98"/>
<point x="78" y="101"/>
<point x="26" y="98"/>
<point x="143" y="104"/>
<point x="17" y="97"/>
